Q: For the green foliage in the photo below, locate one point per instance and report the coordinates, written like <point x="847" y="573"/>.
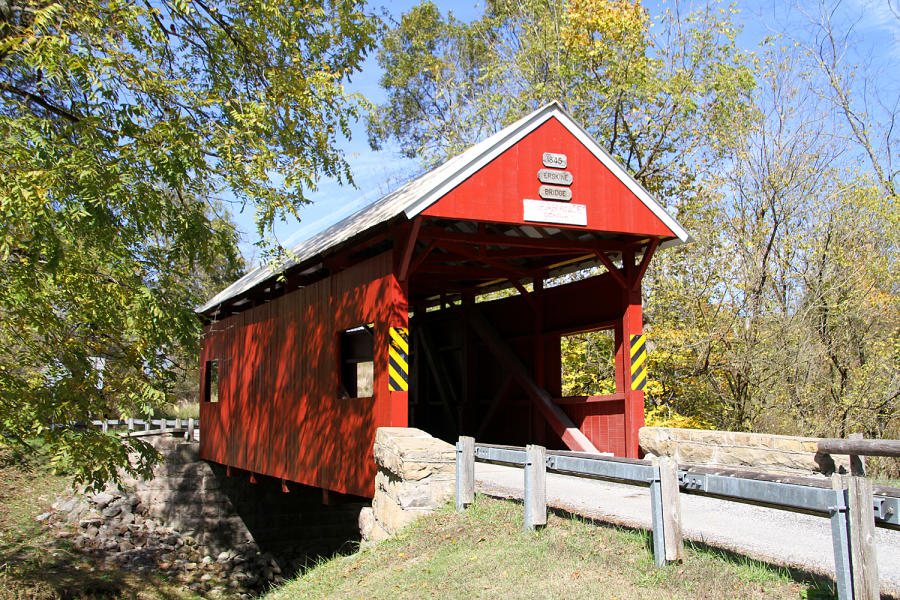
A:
<point x="121" y="123"/>
<point x="588" y="364"/>
<point x="655" y="102"/>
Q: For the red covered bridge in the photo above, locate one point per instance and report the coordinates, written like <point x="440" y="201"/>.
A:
<point x="382" y="319"/>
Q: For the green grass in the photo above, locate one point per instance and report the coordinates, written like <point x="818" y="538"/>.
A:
<point x="484" y="553"/>
<point x="38" y="565"/>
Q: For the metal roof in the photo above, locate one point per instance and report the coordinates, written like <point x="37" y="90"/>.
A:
<point x="417" y="195"/>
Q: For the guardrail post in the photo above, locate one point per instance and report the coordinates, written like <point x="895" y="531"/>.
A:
<point x="656" y="509"/>
<point x="840" y="539"/>
<point x="178" y="423"/>
<point x="130" y="423"/>
<point x="465" y="472"/>
<point x="147" y="424"/>
<point x="190" y="429"/>
<point x="104" y="426"/>
<point x="671" y="509"/>
<point x="862" y="529"/>
<point x="862" y="539"/>
<point x="535" y="486"/>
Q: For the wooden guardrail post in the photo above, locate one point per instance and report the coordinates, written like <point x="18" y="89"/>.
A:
<point x="863" y="561"/>
<point x="130" y="423"/>
<point x="104" y="426"/>
<point x="535" y="486"/>
<point x="190" y="429"/>
<point x="465" y="472"/>
<point x="671" y="509"/>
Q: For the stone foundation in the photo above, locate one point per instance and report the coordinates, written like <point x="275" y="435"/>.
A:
<point x="782" y="454"/>
<point x="416" y="474"/>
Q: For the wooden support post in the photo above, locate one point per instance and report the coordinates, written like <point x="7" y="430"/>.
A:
<point x="130" y="423"/>
<point x="190" y="429"/>
<point x="535" y="486"/>
<point x="465" y="472"/>
<point x="863" y="559"/>
<point x="671" y="509"/>
<point x="178" y="423"/>
<point x="857" y="462"/>
<point x="104" y="426"/>
<point x="147" y="424"/>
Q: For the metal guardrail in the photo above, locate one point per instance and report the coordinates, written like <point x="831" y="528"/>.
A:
<point x="820" y="501"/>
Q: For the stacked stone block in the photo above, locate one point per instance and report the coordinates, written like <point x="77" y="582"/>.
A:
<point x="780" y="454"/>
<point x="416" y="475"/>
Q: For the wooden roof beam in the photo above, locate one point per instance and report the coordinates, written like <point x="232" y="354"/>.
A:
<point x="486" y="239"/>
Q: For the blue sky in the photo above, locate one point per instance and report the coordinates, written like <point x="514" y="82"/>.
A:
<point x="377" y="173"/>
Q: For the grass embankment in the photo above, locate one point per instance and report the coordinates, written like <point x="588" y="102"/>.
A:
<point x="38" y="565"/>
<point x="484" y="553"/>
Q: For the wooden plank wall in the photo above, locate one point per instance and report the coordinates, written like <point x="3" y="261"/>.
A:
<point x="279" y="413"/>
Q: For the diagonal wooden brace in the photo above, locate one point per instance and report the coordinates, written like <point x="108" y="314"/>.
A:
<point x="559" y="421"/>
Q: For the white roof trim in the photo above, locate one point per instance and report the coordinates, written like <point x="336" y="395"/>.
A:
<point x="511" y="135"/>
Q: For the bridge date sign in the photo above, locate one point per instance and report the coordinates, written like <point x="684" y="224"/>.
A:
<point x="556" y="161"/>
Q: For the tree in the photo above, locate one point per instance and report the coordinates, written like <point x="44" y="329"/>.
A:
<point x="122" y="123"/>
<point x="655" y="101"/>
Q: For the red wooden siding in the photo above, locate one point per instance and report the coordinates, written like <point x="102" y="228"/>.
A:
<point x="495" y="193"/>
<point x="279" y="412"/>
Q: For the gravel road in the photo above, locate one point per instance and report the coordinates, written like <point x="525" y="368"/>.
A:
<point x="768" y="534"/>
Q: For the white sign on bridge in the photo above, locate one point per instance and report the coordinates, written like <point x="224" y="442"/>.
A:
<point x="554" y="212"/>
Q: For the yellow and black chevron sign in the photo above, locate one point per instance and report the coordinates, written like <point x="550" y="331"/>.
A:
<point x="398" y="360"/>
<point x="638" y="362"/>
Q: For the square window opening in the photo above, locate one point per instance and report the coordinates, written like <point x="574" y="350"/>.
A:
<point x="357" y="362"/>
<point x="211" y="375"/>
<point x="589" y="363"/>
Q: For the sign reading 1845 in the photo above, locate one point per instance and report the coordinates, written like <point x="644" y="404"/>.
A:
<point x="555" y="161"/>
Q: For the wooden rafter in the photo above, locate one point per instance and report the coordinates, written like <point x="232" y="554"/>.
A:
<point x="478" y="239"/>
<point x="466" y="252"/>
<point x="616" y="273"/>
<point x="645" y="262"/>
<point x="421" y="257"/>
<point x="408" y="249"/>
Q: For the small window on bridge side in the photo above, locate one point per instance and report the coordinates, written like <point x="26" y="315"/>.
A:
<point x="211" y="374"/>
<point x="357" y="376"/>
<point x="589" y="363"/>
